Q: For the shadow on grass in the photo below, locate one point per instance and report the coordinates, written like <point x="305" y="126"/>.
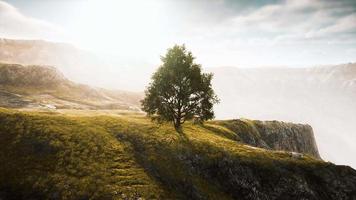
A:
<point x="165" y="162"/>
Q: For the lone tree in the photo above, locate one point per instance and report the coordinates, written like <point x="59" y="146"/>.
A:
<point x="179" y="91"/>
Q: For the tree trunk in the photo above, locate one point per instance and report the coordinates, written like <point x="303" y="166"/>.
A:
<point x="177" y="125"/>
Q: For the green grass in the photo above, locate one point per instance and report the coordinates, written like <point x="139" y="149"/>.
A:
<point x="127" y="157"/>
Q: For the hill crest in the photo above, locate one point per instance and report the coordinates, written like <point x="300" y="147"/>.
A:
<point x="37" y="86"/>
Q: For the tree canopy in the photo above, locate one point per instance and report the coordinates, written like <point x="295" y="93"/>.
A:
<point x="179" y="91"/>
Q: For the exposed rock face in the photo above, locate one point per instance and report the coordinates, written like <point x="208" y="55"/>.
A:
<point x="274" y="135"/>
<point x="288" y="137"/>
<point x="249" y="181"/>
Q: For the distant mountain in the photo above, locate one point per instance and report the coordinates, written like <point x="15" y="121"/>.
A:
<point x="324" y="97"/>
<point x="38" y="86"/>
<point x="40" y="52"/>
<point x="77" y="64"/>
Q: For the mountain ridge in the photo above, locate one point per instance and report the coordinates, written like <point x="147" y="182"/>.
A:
<point x="36" y="85"/>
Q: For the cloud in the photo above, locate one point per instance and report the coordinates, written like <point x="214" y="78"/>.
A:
<point x="16" y="25"/>
<point x="299" y="21"/>
<point x="283" y="32"/>
<point x="345" y="25"/>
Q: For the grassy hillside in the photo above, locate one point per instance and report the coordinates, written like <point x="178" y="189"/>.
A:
<point x="36" y="86"/>
<point x="62" y="156"/>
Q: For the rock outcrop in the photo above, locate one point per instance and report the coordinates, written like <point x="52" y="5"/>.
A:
<point x="288" y="137"/>
<point x="274" y="135"/>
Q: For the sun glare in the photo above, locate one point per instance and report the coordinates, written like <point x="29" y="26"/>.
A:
<point x="117" y="26"/>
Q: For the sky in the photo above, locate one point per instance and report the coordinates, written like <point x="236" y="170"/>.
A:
<point x="246" y="33"/>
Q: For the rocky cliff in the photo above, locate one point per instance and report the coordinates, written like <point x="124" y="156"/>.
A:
<point x="274" y="135"/>
<point x="288" y="137"/>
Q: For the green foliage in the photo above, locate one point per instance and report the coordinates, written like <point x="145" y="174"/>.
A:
<point x="179" y="91"/>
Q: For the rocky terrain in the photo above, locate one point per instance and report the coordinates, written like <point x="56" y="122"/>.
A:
<point x="57" y="156"/>
<point x="274" y="135"/>
<point x="45" y="87"/>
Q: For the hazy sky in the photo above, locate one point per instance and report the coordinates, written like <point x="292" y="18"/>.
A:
<point x="219" y="32"/>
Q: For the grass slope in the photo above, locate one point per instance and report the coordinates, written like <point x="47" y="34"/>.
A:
<point x="37" y="86"/>
<point x="57" y="156"/>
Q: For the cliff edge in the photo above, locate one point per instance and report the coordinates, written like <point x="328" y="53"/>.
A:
<point x="274" y="135"/>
